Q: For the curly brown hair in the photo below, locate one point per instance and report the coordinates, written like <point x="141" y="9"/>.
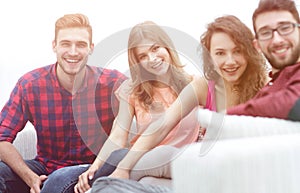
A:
<point x="255" y="75"/>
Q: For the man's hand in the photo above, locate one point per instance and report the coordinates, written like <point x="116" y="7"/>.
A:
<point x="37" y="183"/>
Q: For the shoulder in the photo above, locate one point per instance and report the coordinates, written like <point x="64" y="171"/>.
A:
<point x="125" y="92"/>
<point x="36" y="75"/>
<point x="201" y="87"/>
<point x="107" y="77"/>
<point x="107" y="73"/>
<point x="126" y="88"/>
<point x="199" y="82"/>
<point x="293" y="70"/>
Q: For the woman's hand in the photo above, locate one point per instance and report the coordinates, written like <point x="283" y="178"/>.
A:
<point x="83" y="180"/>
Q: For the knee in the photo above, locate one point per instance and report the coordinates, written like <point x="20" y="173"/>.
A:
<point x="166" y="148"/>
<point x="5" y="170"/>
<point x="118" y="153"/>
<point x="63" y="180"/>
<point x="2" y="184"/>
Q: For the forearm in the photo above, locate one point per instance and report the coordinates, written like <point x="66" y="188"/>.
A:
<point x="151" y="138"/>
<point x="10" y="156"/>
<point x="115" y="141"/>
<point x="104" y="153"/>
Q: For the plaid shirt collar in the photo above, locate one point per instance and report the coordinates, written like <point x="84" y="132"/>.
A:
<point x="55" y="80"/>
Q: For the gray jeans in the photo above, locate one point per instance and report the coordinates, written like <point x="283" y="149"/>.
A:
<point x="113" y="185"/>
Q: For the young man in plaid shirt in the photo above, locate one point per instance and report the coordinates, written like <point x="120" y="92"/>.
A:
<point x="71" y="106"/>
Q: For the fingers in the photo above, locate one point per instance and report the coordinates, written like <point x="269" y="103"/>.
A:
<point x="43" y="178"/>
<point x="91" y="175"/>
<point x="82" y="184"/>
<point x="79" y="189"/>
<point x="35" y="189"/>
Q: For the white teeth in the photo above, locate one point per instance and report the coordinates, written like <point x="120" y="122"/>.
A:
<point x="156" y="65"/>
<point x="72" y="61"/>
<point x="230" y="69"/>
<point x="280" y="51"/>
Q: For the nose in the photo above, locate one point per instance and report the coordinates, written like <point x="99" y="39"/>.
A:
<point x="152" y="56"/>
<point x="73" y="50"/>
<point x="230" y="59"/>
<point x="277" y="37"/>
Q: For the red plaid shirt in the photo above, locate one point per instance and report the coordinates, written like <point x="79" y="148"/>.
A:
<point x="71" y="129"/>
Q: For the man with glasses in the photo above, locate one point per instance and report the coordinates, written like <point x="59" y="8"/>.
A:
<point x="276" y="24"/>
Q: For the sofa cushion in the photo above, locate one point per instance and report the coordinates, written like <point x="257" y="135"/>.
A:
<point x="267" y="164"/>
<point x="240" y="154"/>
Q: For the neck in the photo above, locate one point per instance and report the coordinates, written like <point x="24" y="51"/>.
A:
<point x="162" y="81"/>
<point x="226" y="95"/>
<point x="71" y="82"/>
<point x="275" y="70"/>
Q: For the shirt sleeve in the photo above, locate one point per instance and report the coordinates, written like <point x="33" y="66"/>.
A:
<point x="13" y="117"/>
<point x="273" y="102"/>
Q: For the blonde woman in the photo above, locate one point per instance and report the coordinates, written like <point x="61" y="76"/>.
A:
<point x="157" y="78"/>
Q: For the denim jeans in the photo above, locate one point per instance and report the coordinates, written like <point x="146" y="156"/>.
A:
<point x="64" y="180"/>
<point x="10" y="182"/>
<point x="60" y="181"/>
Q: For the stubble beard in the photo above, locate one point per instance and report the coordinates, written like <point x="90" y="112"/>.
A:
<point x="291" y="60"/>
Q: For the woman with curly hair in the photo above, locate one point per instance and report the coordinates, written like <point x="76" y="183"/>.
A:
<point x="235" y="70"/>
<point x="237" y="66"/>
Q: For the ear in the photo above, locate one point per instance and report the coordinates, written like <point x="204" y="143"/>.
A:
<point x="91" y="48"/>
<point x="54" y="46"/>
<point x="256" y="45"/>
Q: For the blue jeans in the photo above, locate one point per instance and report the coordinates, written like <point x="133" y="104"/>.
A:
<point x="60" y="181"/>
<point x="64" y="180"/>
<point x="10" y="182"/>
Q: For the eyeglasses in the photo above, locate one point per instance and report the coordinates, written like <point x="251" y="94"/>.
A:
<point x="283" y="30"/>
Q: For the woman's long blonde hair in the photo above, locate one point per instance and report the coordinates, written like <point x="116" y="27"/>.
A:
<point x="143" y="81"/>
<point x="255" y="75"/>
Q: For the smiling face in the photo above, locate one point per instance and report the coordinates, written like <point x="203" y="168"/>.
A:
<point x="153" y="58"/>
<point x="281" y="51"/>
<point x="229" y="60"/>
<point x="72" y="47"/>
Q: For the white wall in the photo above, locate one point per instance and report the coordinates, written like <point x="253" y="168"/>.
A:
<point x="27" y="27"/>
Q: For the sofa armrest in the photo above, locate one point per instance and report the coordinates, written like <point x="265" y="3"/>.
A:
<point x="240" y="154"/>
<point x="26" y="141"/>
<point x="237" y="126"/>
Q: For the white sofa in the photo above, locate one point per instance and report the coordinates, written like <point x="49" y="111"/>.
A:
<point x="241" y="154"/>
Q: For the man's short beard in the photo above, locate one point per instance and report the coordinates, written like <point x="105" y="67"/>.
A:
<point x="292" y="60"/>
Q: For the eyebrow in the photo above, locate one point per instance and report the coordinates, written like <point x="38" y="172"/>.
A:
<point x="279" y="23"/>
<point x="154" y="44"/>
